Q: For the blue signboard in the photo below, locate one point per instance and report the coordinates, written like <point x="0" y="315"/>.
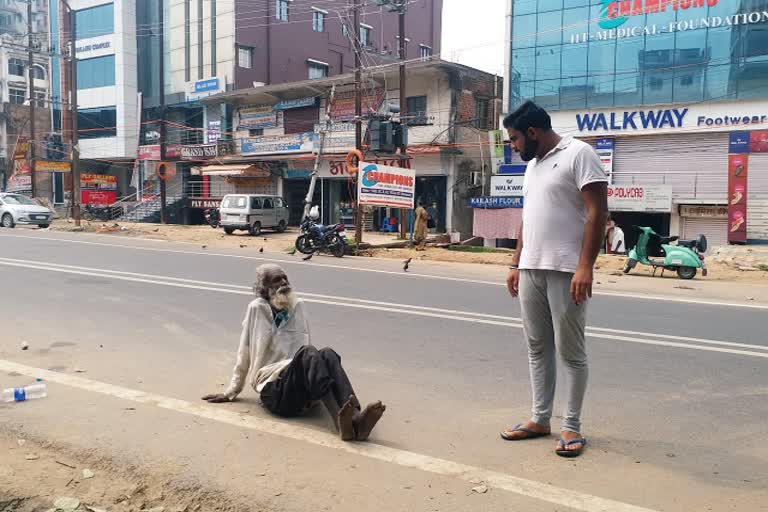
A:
<point x="297" y="174"/>
<point x="507" y="153"/>
<point x="738" y="142"/>
<point x="605" y="143"/>
<point x="496" y="202"/>
<point x="297" y="103"/>
<point x="210" y="84"/>
<point x="512" y="169"/>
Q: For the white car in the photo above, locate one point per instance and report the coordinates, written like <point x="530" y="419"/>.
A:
<point x="20" y="209"/>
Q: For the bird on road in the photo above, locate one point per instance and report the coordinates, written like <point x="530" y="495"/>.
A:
<point x="308" y="256"/>
<point x="292" y="252"/>
<point x="204" y="246"/>
<point x="156" y="230"/>
<point x="406" y="263"/>
<point x="243" y="246"/>
<point x="261" y="249"/>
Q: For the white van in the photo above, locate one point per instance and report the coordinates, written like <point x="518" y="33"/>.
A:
<point x="252" y="213"/>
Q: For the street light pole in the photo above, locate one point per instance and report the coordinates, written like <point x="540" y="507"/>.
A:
<point x="31" y="75"/>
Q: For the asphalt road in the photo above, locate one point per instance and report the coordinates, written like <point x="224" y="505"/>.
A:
<point x="675" y="415"/>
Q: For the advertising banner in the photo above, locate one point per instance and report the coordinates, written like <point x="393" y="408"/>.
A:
<point x="343" y="107"/>
<point x="605" y="148"/>
<point x="496" y="143"/>
<point x="738" y="142"/>
<point x="507" y="185"/>
<point x="198" y="152"/>
<point x="214" y="131"/>
<point x="737" y="198"/>
<point x="758" y="141"/>
<point x="296" y="143"/>
<point x="99" y="197"/>
<point x="496" y="202"/>
<point x="258" y="117"/>
<point x="639" y="198"/>
<point x="52" y="166"/>
<point x="383" y="185"/>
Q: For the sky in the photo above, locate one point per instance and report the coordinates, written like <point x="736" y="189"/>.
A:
<point x="473" y="33"/>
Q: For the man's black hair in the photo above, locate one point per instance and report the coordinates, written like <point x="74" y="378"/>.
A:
<point x="528" y="115"/>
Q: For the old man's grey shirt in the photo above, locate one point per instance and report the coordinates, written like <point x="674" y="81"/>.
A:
<point x="554" y="213"/>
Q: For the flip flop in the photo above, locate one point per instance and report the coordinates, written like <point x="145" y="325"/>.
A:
<point x="571" y="453"/>
<point x="531" y="434"/>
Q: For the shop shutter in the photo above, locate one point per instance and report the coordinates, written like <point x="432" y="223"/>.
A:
<point x="694" y="164"/>
<point x="300" y="120"/>
<point x="757" y="197"/>
<point x="716" y="231"/>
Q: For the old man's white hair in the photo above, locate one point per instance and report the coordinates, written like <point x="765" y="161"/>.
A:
<point x="283" y="298"/>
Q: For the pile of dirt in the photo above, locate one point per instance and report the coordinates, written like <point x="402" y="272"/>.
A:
<point x="37" y="476"/>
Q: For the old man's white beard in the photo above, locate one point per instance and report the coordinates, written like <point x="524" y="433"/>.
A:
<point x="283" y="299"/>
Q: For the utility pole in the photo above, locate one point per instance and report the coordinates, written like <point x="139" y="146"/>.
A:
<point x="75" y="137"/>
<point x="31" y="74"/>
<point x="404" y="213"/>
<point x="358" y="119"/>
<point x="321" y="146"/>
<point x="161" y="65"/>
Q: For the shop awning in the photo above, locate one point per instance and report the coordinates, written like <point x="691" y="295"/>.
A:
<point x="244" y="170"/>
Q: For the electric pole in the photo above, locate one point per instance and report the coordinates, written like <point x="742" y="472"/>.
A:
<point x="31" y="75"/>
<point x="75" y="137"/>
<point x="358" y="119"/>
<point x="404" y="214"/>
<point x="161" y="64"/>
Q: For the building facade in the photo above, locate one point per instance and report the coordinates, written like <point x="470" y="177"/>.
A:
<point x="673" y="94"/>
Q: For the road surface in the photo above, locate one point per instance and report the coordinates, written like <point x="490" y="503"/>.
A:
<point x="675" y="414"/>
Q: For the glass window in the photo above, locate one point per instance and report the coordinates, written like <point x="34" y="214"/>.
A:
<point x="548" y="94"/>
<point x="425" y="52"/>
<point x="318" y="21"/>
<point x="575" y="3"/>
<point x="16" y="67"/>
<point x="523" y="7"/>
<point x="279" y="202"/>
<point x="95" y="123"/>
<point x="482" y="110"/>
<point x="417" y="110"/>
<point x="602" y="67"/>
<point x="281" y="10"/>
<point x="17" y="96"/>
<point x="96" y="72"/>
<point x="548" y="62"/>
<point x="365" y="36"/>
<point x="575" y="25"/>
<point x="238" y="202"/>
<point x="550" y="5"/>
<point x="245" y="57"/>
<point x="255" y="203"/>
<point x="40" y="99"/>
<point x="524" y="31"/>
<point x="256" y="132"/>
<point x="524" y="64"/>
<point x="718" y="85"/>
<point x="317" y="70"/>
<point x="690" y="59"/>
<point x="95" y="21"/>
<point x="269" y="204"/>
<point x="549" y="28"/>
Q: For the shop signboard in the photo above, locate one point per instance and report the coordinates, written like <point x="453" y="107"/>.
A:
<point x="384" y="185"/>
<point x="340" y="137"/>
<point x="198" y="152"/>
<point x="704" y="211"/>
<point x="339" y="169"/>
<point x="640" y="198"/>
<point x="204" y="203"/>
<point x="296" y="143"/>
<point x="738" y="142"/>
<point x="21" y="149"/>
<point x="605" y="148"/>
<point x="507" y="185"/>
<point x="98" y="189"/>
<point x="52" y="166"/>
<point x="496" y="202"/>
<point x="203" y="88"/>
<point x="737" y="198"/>
<point x="264" y="116"/>
<point x="758" y="141"/>
<point x="512" y="168"/>
<point x="297" y="103"/>
<point x="152" y="151"/>
<point x="297" y="174"/>
<point x="214" y="131"/>
<point x="343" y="106"/>
<point x="496" y="144"/>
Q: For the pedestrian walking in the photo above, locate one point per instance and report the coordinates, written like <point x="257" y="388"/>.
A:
<point x="564" y="217"/>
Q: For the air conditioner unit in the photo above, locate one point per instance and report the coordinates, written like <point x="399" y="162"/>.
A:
<point x="475" y="178"/>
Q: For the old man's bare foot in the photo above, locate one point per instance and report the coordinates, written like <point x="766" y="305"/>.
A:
<point x="368" y="419"/>
<point x="346" y="419"/>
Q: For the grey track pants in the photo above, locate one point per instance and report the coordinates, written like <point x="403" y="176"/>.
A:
<point x="552" y="322"/>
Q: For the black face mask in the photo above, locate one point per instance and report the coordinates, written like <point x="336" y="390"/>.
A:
<point x="530" y="148"/>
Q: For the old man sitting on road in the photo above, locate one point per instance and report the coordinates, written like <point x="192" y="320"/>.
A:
<point x="285" y="369"/>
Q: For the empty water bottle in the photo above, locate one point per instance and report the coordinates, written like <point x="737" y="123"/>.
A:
<point x="24" y="393"/>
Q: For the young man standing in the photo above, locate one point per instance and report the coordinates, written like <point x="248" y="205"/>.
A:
<point x="564" y="215"/>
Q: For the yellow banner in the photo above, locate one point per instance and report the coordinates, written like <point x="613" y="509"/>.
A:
<point x="52" y="166"/>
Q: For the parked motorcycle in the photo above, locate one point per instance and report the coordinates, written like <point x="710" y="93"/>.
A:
<point x="685" y="258"/>
<point x="212" y="217"/>
<point x="103" y="213"/>
<point x="314" y="237"/>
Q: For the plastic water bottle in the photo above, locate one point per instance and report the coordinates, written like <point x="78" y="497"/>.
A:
<point x="24" y="393"/>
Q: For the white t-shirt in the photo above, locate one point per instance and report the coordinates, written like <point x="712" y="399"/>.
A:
<point x="554" y="213"/>
<point x="618" y="240"/>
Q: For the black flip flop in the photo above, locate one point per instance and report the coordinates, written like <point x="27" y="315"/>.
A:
<point x="532" y="434"/>
<point x="571" y="453"/>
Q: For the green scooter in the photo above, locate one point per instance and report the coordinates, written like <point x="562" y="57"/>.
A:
<point x="685" y="258"/>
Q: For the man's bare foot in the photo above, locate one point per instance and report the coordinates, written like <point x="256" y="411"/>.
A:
<point x="366" y="420"/>
<point x="346" y="420"/>
<point x="527" y="430"/>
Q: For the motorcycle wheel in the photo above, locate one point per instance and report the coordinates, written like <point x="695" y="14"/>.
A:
<point x="304" y="245"/>
<point x="337" y="246"/>
<point x="686" y="272"/>
<point x="88" y="216"/>
<point x="629" y="265"/>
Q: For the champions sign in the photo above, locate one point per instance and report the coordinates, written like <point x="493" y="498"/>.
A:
<point x="615" y="13"/>
<point x="383" y="185"/>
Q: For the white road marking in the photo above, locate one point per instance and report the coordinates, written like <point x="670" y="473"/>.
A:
<point x="638" y="296"/>
<point x="726" y="347"/>
<point x="572" y="500"/>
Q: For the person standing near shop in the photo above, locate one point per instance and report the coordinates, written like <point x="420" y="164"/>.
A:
<point x="420" y="227"/>
<point x="564" y="218"/>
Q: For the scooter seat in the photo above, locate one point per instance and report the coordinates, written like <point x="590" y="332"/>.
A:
<point x="687" y="243"/>
<point x="668" y="239"/>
